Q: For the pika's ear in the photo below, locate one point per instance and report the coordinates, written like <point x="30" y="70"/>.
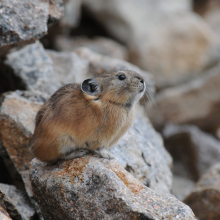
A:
<point x="90" y="86"/>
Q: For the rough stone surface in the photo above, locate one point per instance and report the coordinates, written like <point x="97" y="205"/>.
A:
<point x="176" y="45"/>
<point x="100" y="45"/>
<point x="23" y="22"/>
<point x="196" y="102"/>
<point x="193" y="150"/>
<point x="205" y="196"/>
<point x="4" y="215"/>
<point x="16" y="203"/>
<point x="94" y="188"/>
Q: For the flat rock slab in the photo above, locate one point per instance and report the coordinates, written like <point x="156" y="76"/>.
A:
<point x="94" y="188"/>
<point x="204" y="199"/>
<point x="16" y="202"/>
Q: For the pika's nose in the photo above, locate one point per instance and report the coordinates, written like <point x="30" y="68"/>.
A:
<point x="141" y="80"/>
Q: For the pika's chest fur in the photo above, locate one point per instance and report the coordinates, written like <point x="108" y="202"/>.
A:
<point x="102" y="124"/>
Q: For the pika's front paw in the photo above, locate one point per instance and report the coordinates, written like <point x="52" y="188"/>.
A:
<point x="102" y="152"/>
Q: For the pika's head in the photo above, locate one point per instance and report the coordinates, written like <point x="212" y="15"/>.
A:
<point x="122" y="88"/>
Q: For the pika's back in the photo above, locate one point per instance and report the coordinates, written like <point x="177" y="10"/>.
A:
<point x="92" y="115"/>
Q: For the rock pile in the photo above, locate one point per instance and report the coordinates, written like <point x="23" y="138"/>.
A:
<point x="181" y="50"/>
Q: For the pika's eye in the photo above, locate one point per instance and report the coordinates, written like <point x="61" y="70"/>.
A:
<point x="121" y="77"/>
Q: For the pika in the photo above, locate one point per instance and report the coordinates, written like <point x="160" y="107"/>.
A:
<point x="91" y="117"/>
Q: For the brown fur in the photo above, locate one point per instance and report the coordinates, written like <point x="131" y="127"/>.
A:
<point x="72" y="119"/>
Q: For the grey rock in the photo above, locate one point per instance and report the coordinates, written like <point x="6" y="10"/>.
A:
<point x="193" y="150"/>
<point x="204" y="198"/>
<point x="94" y="188"/>
<point x="101" y="45"/>
<point x="195" y="102"/>
<point x="22" y="22"/>
<point x="16" y="202"/>
<point x="173" y="43"/>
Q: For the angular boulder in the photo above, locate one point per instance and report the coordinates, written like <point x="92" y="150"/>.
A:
<point x="94" y="188"/>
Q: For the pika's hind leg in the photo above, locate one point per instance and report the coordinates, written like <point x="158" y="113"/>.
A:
<point x="75" y="154"/>
<point x="102" y="152"/>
